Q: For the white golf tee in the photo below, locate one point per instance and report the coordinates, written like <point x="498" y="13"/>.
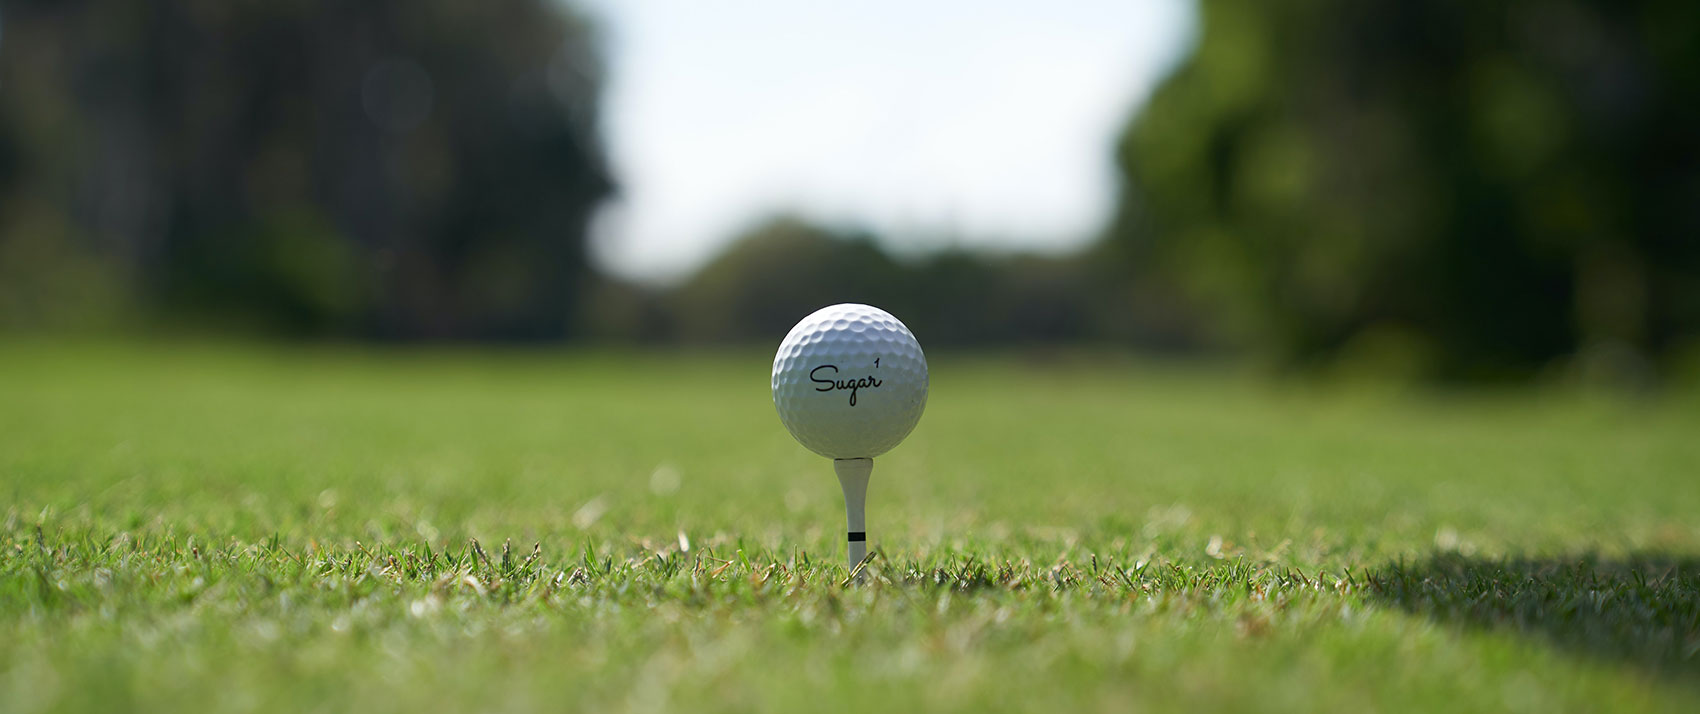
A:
<point x="853" y="478"/>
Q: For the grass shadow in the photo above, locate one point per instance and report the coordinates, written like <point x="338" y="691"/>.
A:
<point x="1642" y="610"/>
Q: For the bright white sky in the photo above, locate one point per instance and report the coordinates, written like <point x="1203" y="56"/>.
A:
<point x="975" y="122"/>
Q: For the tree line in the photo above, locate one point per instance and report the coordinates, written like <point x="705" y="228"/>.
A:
<point x="1455" y="189"/>
<point x="396" y="169"/>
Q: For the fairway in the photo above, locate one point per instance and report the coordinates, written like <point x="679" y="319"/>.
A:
<point x="244" y="528"/>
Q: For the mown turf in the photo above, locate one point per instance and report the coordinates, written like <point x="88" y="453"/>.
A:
<point x="240" y="528"/>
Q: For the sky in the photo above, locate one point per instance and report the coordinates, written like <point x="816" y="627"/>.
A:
<point x="969" y="123"/>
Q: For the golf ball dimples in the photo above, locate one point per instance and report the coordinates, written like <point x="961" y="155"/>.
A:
<point x="850" y="381"/>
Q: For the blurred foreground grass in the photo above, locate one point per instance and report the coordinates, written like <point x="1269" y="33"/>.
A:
<point x="240" y="528"/>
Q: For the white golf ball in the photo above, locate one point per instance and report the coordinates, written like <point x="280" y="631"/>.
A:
<point x="850" y="381"/>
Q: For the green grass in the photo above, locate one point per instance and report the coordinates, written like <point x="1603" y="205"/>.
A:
<point x="239" y="528"/>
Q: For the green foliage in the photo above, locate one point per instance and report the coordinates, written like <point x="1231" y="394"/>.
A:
<point x="786" y="268"/>
<point x="777" y="273"/>
<point x="1494" y="184"/>
<point x="195" y="527"/>
<point x="48" y="281"/>
<point x="390" y="169"/>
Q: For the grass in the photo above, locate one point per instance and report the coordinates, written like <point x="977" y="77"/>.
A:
<point x="252" y="529"/>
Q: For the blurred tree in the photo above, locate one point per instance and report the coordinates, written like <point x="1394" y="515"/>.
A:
<point x="420" y="169"/>
<point x="1485" y="186"/>
<point x="785" y="268"/>
<point x="778" y="272"/>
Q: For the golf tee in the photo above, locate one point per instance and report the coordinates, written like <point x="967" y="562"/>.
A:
<point x="853" y="478"/>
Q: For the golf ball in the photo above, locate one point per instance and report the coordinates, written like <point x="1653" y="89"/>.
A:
<point x="850" y="381"/>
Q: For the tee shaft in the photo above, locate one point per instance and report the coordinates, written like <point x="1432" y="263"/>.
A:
<point x="853" y="478"/>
